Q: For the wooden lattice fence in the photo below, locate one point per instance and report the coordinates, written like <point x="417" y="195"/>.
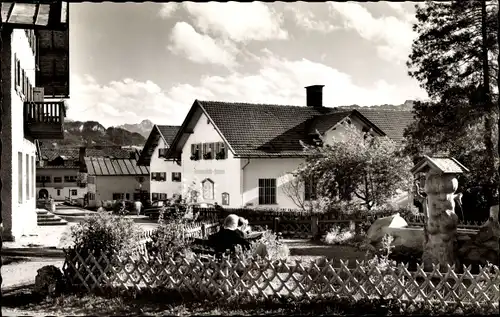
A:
<point x="294" y="224"/>
<point x="199" y="230"/>
<point x="200" y="278"/>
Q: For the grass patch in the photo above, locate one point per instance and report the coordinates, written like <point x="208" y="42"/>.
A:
<point x="172" y="304"/>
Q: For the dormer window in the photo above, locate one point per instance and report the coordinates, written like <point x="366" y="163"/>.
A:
<point x="162" y="152"/>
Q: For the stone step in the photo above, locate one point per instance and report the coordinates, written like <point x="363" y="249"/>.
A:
<point x="53" y="222"/>
<point x="45" y="216"/>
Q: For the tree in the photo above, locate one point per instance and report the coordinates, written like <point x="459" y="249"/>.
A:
<point x="453" y="57"/>
<point x="294" y="188"/>
<point x="357" y="167"/>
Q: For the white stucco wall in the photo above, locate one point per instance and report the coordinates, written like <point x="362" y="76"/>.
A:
<point x="23" y="219"/>
<point x="161" y="165"/>
<point x="64" y="187"/>
<point x="278" y="168"/>
<point x="340" y="128"/>
<point x="226" y="174"/>
<point x="105" y="186"/>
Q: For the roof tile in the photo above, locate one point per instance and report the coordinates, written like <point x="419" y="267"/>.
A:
<point x="275" y="130"/>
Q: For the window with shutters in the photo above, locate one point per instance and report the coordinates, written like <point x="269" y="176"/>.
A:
<point x="162" y="152"/>
<point x="154" y="176"/>
<point x="20" y="176"/>
<point x="195" y="151"/>
<point x="70" y="179"/>
<point x="74" y="192"/>
<point x="18" y="75"/>
<point x="176" y="176"/>
<point x="162" y="176"/>
<point x="220" y="151"/>
<point x="163" y="196"/>
<point x="118" y="196"/>
<point x="154" y="196"/>
<point x="267" y="191"/>
<point x="208" y="151"/>
<point x="27" y="173"/>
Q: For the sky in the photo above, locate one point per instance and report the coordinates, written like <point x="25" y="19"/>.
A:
<point x="136" y="61"/>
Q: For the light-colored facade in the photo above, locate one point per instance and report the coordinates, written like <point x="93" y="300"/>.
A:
<point x="225" y="174"/>
<point x="109" y="187"/>
<point x="58" y="183"/>
<point x="18" y="153"/>
<point x="165" y="175"/>
<point x="236" y="182"/>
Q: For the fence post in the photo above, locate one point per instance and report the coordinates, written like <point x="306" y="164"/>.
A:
<point x="276" y="223"/>
<point x="203" y="231"/>
<point x="314" y="226"/>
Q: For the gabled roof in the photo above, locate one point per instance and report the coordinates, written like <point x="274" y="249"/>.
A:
<point x="445" y="165"/>
<point x="392" y="122"/>
<point x="166" y="132"/>
<point x="102" y="166"/>
<point x="74" y="152"/>
<point x="263" y="130"/>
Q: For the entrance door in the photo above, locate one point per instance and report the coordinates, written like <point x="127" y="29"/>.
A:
<point x="43" y="193"/>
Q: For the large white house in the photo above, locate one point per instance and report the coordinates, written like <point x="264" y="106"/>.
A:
<point x="241" y="154"/>
<point x="165" y="174"/>
<point x="27" y="42"/>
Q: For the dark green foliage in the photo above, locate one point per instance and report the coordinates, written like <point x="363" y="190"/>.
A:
<point x="49" y="281"/>
<point x="448" y="59"/>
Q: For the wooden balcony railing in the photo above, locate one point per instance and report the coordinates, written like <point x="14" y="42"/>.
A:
<point x="44" y="120"/>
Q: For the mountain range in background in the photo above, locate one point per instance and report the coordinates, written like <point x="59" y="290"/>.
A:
<point x="143" y="128"/>
<point x="78" y="133"/>
<point x="92" y="133"/>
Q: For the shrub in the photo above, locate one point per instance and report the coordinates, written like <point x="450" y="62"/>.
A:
<point x="106" y="233"/>
<point x="169" y="240"/>
<point x="338" y="235"/>
<point x="49" y="281"/>
<point x="268" y="246"/>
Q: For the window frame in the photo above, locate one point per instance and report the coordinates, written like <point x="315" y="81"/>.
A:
<point x="153" y="195"/>
<point x="74" y="192"/>
<point x="268" y="191"/>
<point x="174" y="179"/>
<point x="225" y="199"/>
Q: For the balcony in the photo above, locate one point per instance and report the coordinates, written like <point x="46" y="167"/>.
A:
<point x="44" y="120"/>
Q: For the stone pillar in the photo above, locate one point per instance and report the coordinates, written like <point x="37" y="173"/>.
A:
<point x="442" y="221"/>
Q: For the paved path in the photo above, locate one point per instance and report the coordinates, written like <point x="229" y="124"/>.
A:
<point x="17" y="274"/>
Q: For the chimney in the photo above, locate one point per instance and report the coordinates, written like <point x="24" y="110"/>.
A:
<point x="81" y="157"/>
<point x="314" y="96"/>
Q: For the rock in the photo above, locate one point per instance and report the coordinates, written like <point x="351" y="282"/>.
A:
<point x="379" y="228"/>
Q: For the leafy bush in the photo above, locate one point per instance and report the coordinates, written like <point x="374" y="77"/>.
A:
<point x="268" y="246"/>
<point x="169" y="238"/>
<point x="49" y="281"/>
<point x="338" y="235"/>
<point x="106" y="233"/>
